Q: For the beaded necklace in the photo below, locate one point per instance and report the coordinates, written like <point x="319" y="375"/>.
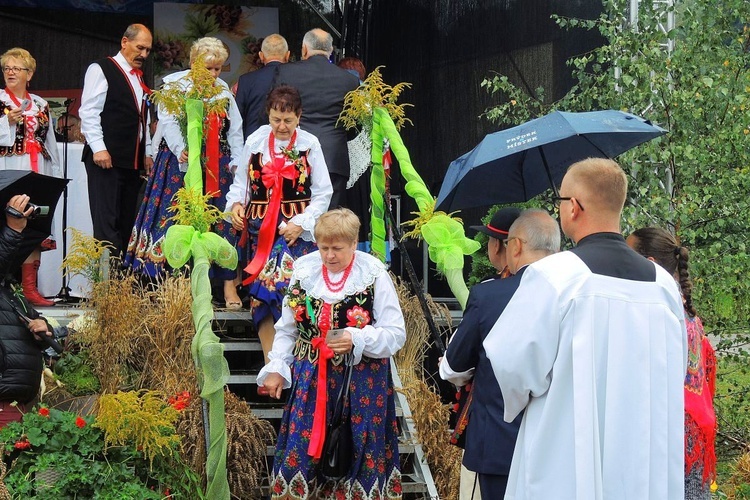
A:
<point x="337" y="286"/>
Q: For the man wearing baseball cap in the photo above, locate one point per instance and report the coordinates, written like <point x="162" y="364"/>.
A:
<point x="497" y="229"/>
<point x="465" y="357"/>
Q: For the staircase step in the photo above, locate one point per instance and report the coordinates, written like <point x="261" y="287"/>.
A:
<point x="276" y="413"/>
<point x="241" y="345"/>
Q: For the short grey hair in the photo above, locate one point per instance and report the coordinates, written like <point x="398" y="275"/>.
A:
<point x="211" y="48"/>
<point x="274" y="45"/>
<point x="538" y="229"/>
<point x="318" y="40"/>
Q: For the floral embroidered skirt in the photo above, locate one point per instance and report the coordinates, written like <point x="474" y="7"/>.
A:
<point x="268" y="290"/>
<point x="375" y="471"/>
<point x="144" y="253"/>
<point x="223" y="227"/>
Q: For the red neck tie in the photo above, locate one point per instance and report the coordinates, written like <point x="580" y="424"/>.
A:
<point x="139" y="74"/>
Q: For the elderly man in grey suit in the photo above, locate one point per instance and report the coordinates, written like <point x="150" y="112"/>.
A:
<point x="322" y="86"/>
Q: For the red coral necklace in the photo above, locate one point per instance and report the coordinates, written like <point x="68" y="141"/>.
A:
<point x="337" y="286"/>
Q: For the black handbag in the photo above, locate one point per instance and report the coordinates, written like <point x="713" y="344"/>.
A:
<point x="338" y="447"/>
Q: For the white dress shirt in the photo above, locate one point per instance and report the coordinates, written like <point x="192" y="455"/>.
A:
<point x="95" y="95"/>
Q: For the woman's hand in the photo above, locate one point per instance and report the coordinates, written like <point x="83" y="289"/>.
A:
<point x="238" y="216"/>
<point x="340" y="344"/>
<point x="290" y="232"/>
<point x="15" y="116"/>
<point x="274" y="382"/>
<point x="183" y="156"/>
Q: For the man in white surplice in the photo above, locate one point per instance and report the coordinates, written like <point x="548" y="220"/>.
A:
<point x="593" y="346"/>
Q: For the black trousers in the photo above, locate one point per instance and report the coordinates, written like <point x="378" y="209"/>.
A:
<point x="113" y="200"/>
<point x="338" y="198"/>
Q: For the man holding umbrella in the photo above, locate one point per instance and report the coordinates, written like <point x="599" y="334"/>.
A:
<point x="21" y="327"/>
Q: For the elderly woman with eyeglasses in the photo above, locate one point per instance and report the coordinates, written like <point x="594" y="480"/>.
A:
<point x="26" y="143"/>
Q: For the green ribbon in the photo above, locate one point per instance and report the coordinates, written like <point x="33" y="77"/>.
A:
<point x="444" y="235"/>
<point x="182" y="243"/>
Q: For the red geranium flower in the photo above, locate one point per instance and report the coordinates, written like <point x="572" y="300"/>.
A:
<point x="44" y="411"/>
<point x="22" y="445"/>
<point x="80" y="423"/>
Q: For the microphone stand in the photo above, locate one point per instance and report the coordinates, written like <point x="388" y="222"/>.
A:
<point x="63" y="296"/>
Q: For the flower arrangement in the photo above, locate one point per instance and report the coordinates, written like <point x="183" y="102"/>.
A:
<point x="292" y="155"/>
<point x="201" y="85"/>
<point x="84" y="256"/>
<point x="374" y="93"/>
<point x="74" y="450"/>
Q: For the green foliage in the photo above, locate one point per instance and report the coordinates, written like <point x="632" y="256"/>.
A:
<point x="73" y="448"/>
<point x="695" y="179"/>
<point x="77" y="374"/>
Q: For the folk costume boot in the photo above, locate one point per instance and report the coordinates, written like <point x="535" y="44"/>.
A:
<point x="28" y="283"/>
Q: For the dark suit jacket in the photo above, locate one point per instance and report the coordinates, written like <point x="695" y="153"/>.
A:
<point x="489" y="439"/>
<point x="322" y="86"/>
<point x="252" y="90"/>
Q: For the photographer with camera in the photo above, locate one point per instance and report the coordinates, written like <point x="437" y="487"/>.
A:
<point x="23" y="332"/>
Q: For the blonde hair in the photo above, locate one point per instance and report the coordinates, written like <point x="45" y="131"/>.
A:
<point x="211" y="48"/>
<point x="337" y="224"/>
<point x="22" y="54"/>
<point x="603" y="182"/>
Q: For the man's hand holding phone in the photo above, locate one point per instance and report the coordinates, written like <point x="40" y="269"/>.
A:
<point x="339" y="341"/>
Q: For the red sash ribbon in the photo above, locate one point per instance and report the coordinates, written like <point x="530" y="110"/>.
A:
<point x="272" y="176"/>
<point x="212" y="154"/>
<point x="318" y="432"/>
<point x="30" y="144"/>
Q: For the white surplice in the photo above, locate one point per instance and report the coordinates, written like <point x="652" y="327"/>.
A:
<point x="598" y="363"/>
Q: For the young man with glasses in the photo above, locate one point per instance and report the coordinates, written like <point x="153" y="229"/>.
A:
<point x="592" y="349"/>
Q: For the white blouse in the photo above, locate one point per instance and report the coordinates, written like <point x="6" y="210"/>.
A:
<point x="8" y="138"/>
<point x="381" y="339"/>
<point x="321" y="189"/>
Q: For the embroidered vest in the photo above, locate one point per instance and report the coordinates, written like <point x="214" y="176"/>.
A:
<point x="40" y="134"/>
<point x="295" y="196"/>
<point x="354" y="311"/>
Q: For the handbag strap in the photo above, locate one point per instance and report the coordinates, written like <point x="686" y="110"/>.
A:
<point x="341" y="409"/>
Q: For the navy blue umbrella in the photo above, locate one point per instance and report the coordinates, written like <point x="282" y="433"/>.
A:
<point x="516" y="164"/>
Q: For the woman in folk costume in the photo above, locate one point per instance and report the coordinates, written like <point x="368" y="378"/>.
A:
<point x="224" y="131"/>
<point x="335" y="288"/>
<point x="26" y="143"/>
<point x="280" y="191"/>
<point x="660" y="246"/>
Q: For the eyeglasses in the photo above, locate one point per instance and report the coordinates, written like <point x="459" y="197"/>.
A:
<point x="558" y="199"/>
<point x="13" y="69"/>
<point x="514" y="238"/>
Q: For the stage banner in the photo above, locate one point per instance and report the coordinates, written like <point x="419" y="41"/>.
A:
<point x="241" y="30"/>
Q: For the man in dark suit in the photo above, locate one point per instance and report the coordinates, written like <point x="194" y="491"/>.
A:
<point x="253" y="87"/>
<point x="322" y="86"/>
<point x="489" y="440"/>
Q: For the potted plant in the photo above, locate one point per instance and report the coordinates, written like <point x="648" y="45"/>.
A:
<point x="59" y="454"/>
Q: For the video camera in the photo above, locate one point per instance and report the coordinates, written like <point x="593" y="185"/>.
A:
<point x="36" y="211"/>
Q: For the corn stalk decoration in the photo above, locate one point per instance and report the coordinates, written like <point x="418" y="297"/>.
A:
<point x="442" y="232"/>
<point x="190" y="238"/>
